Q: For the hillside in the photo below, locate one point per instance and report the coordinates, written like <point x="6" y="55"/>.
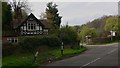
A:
<point x="98" y="24"/>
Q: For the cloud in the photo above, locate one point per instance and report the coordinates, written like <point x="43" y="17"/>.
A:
<point x="74" y="0"/>
<point x="77" y="13"/>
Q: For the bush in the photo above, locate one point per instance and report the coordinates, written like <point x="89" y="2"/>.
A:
<point x="34" y="42"/>
<point x="8" y="49"/>
<point x="68" y="35"/>
<point x="29" y="43"/>
<point x="53" y="41"/>
<point x="100" y="40"/>
<point x="87" y="31"/>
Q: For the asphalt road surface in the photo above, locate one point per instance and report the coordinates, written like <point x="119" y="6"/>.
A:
<point x="95" y="56"/>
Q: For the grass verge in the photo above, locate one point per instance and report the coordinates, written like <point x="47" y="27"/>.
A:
<point x="25" y="60"/>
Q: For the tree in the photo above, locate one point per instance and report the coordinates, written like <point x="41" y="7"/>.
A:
<point x="18" y="7"/>
<point x="53" y="16"/>
<point x="111" y="24"/>
<point x="24" y="14"/>
<point x="68" y="35"/>
<point x="87" y="31"/>
<point x="6" y="16"/>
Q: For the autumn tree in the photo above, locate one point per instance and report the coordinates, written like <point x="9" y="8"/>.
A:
<point x="53" y="16"/>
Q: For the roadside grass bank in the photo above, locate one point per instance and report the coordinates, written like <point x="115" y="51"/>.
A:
<point x="25" y="60"/>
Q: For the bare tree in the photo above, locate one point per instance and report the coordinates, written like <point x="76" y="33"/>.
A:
<point x="43" y="15"/>
<point x="18" y="6"/>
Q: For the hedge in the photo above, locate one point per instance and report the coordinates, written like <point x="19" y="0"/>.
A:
<point x="34" y="42"/>
<point x="9" y="49"/>
<point x="101" y="40"/>
<point x="69" y="36"/>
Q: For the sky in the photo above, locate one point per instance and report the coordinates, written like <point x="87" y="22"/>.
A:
<point x="77" y="13"/>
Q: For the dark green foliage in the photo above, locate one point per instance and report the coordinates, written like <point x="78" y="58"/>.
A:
<point x="8" y="33"/>
<point x="101" y="40"/>
<point x="8" y="49"/>
<point x="53" y="41"/>
<point x="104" y="40"/>
<point x="52" y="15"/>
<point x="68" y="35"/>
<point x="29" y="43"/>
<point x="6" y="16"/>
<point x="33" y="43"/>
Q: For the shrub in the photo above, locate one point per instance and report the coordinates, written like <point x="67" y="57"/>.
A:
<point x="100" y="40"/>
<point x="53" y="41"/>
<point x="8" y="49"/>
<point x="33" y="42"/>
<point x="29" y="43"/>
<point x="87" y="31"/>
<point x="68" y="35"/>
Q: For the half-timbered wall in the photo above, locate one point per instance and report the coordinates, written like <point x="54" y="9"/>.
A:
<point x="31" y="27"/>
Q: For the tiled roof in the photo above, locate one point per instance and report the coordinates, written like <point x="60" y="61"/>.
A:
<point x="18" y="22"/>
<point x="9" y="33"/>
<point x="45" y="23"/>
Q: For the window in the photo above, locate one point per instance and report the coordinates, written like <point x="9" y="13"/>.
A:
<point x="34" y="32"/>
<point x="31" y="19"/>
<point x="15" y="40"/>
<point x="12" y="40"/>
<point x="28" y="33"/>
<point x="46" y="31"/>
<point x="31" y="26"/>
<point x="23" y="32"/>
<point x="40" y="27"/>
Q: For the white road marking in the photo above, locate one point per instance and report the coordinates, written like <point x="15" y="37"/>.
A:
<point x="97" y="59"/>
<point x="112" y="51"/>
<point x="90" y="62"/>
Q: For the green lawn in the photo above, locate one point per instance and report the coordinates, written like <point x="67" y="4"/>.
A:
<point x="43" y="57"/>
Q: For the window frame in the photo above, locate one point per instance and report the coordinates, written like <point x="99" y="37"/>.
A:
<point x="31" y="26"/>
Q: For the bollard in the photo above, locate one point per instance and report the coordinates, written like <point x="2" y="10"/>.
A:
<point x="62" y="49"/>
<point x="35" y="57"/>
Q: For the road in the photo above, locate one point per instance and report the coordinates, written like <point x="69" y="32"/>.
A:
<point x="95" y="56"/>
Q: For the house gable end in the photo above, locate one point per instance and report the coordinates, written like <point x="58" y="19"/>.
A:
<point x="31" y="16"/>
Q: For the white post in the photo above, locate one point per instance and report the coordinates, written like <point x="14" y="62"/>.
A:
<point x="62" y="49"/>
<point x="111" y="34"/>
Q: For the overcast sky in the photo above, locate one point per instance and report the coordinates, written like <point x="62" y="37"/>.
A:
<point x="77" y="13"/>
